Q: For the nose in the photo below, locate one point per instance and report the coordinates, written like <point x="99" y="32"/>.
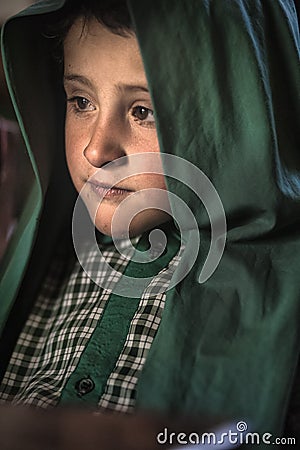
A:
<point x="105" y="143"/>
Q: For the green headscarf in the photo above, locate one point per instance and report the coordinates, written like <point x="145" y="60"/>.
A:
<point x="224" y="79"/>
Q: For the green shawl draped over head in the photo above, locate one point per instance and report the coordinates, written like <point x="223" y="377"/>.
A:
<point x="224" y="79"/>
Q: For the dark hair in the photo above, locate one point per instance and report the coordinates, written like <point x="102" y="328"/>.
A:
<point x="113" y="14"/>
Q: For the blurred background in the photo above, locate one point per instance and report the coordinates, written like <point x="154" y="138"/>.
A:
<point x="15" y="170"/>
<point x="10" y="7"/>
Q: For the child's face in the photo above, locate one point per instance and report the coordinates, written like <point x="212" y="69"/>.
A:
<point x="109" y="115"/>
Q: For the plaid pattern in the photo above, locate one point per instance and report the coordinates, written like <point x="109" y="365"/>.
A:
<point x="119" y="394"/>
<point x="60" y="325"/>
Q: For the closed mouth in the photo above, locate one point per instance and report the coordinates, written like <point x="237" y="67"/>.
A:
<point x="104" y="190"/>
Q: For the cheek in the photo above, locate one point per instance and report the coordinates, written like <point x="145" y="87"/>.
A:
<point x="154" y="181"/>
<point x="160" y="181"/>
<point x="73" y="148"/>
<point x="146" y="140"/>
<point x="68" y="140"/>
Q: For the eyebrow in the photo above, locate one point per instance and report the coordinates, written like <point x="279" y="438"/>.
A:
<point x="79" y="79"/>
<point x="120" y="86"/>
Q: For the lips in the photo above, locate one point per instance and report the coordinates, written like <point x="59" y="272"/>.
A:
<point x="104" y="190"/>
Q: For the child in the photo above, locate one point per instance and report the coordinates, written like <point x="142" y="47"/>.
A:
<point x="228" y="346"/>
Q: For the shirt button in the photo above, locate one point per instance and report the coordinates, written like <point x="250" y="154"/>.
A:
<point x="84" y="386"/>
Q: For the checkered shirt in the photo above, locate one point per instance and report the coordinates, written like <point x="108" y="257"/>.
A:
<point x="61" y="324"/>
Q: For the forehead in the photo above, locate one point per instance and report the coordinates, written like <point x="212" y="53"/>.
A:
<point x="93" y="47"/>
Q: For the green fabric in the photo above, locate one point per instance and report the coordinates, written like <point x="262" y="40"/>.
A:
<point x="224" y="78"/>
<point x="102" y="352"/>
<point x="15" y="259"/>
<point x="44" y="141"/>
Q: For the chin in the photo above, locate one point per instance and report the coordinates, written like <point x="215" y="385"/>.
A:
<point x="142" y="222"/>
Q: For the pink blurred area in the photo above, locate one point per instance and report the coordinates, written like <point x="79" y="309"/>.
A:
<point x="10" y="7"/>
<point x="15" y="172"/>
<point x="9" y="144"/>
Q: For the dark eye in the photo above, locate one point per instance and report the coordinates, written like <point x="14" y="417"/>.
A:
<point x="81" y="104"/>
<point x="143" y="114"/>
